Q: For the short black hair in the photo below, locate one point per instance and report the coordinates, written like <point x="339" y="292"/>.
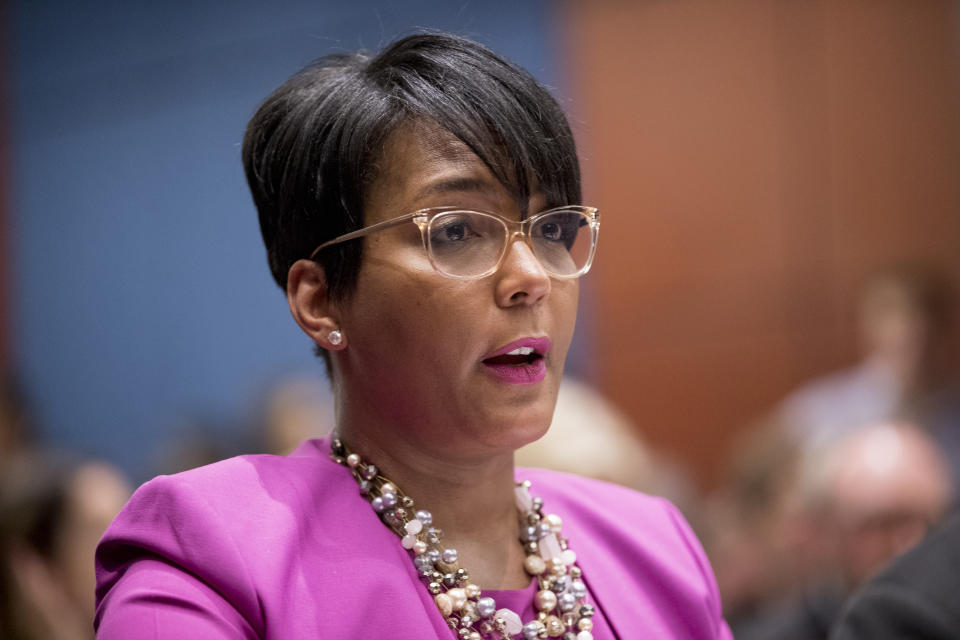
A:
<point x="310" y="151"/>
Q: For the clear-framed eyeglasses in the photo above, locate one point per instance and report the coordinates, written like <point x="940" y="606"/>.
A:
<point x="472" y="244"/>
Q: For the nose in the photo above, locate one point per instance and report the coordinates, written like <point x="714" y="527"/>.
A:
<point x="521" y="279"/>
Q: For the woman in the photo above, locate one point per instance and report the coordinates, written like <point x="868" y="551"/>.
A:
<point x="420" y="210"/>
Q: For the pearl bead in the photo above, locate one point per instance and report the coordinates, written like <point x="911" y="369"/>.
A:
<point x="555" y="522"/>
<point x="413" y="527"/>
<point x="534" y="565"/>
<point x="486" y="607"/>
<point x="531" y="630"/>
<point x="566" y="601"/>
<point x="425" y="517"/>
<point x="420" y="547"/>
<point x="433" y="555"/>
<point x="473" y="590"/>
<point x="585" y="624"/>
<point x="353" y="460"/>
<point x="543" y="529"/>
<point x="578" y="589"/>
<point x="584" y="635"/>
<point x="387" y="488"/>
<point x="408" y="541"/>
<point x="545" y="600"/>
<point x="568" y="557"/>
<point x="474" y="635"/>
<point x="444" y="603"/>
<point x="458" y="598"/>
<point x="389" y="500"/>
<point x="449" y="556"/>
<point x="377" y="504"/>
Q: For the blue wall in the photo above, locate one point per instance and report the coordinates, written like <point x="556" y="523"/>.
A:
<point x="141" y="293"/>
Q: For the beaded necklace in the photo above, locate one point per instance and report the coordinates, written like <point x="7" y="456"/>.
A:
<point x="560" y="600"/>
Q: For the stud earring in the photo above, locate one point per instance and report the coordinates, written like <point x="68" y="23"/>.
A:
<point x="335" y="337"/>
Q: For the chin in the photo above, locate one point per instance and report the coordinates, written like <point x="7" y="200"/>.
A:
<point x="522" y="428"/>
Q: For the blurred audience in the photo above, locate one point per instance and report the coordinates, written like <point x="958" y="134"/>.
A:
<point x="907" y="372"/>
<point x="590" y="437"/>
<point x="294" y="409"/>
<point x="861" y="501"/>
<point x="16" y="433"/>
<point x="52" y="514"/>
<point x="916" y="597"/>
<point x="755" y="529"/>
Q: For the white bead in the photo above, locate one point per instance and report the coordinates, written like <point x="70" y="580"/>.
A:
<point x="584" y="635"/>
<point x="419" y="547"/>
<point x="569" y="556"/>
<point x="511" y="619"/>
<point x="458" y="597"/>
<point x="413" y="527"/>
<point x="408" y="541"/>
<point x="353" y="460"/>
<point x="554" y="521"/>
<point x="550" y="547"/>
<point x="524" y="501"/>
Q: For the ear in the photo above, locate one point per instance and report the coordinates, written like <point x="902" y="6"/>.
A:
<point x="310" y="303"/>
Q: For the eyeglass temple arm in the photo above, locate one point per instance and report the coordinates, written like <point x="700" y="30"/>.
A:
<point x="359" y="233"/>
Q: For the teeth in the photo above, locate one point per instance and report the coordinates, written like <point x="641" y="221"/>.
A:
<point x="521" y="351"/>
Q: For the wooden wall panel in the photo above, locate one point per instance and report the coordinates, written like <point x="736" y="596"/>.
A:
<point x="754" y="160"/>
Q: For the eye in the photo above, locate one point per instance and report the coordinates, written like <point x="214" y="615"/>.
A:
<point x="452" y="229"/>
<point x="559" y="228"/>
<point x="551" y="231"/>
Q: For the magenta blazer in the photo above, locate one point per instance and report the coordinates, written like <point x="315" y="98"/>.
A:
<point x="285" y="548"/>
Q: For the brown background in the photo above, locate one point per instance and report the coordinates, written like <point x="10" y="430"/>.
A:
<point x="753" y="161"/>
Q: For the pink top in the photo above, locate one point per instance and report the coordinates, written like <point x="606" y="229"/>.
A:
<point x="285" y="548"/>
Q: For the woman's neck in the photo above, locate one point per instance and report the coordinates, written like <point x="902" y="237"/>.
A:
<point x="471" y="499"/>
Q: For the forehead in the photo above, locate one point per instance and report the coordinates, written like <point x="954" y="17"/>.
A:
<point x="424" y="165"/>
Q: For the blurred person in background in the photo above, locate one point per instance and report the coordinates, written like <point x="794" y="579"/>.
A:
<point x="292" y="410"/>
<point x="870" y="496"/>
<point x="16" y="432"/>
<point x="611" y="449"/>
<point x="52" y="514"/>
<point x="916" y="597"/>
<point x="754" y="529"/>
<point x="908" y="369"/>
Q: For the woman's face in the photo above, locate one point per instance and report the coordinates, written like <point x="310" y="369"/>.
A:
<point x="424" y="350"/>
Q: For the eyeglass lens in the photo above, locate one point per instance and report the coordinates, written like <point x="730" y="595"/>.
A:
<point x="468" y="243"/>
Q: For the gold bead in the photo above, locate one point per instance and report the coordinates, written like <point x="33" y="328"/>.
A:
<point x="554" y="627"/>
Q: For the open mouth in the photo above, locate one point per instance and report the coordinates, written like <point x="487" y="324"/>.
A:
<point x="518" y="357"/>
<point x="520" y="362"/>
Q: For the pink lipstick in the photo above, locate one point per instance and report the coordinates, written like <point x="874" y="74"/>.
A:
<point x="520" y="362"/>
